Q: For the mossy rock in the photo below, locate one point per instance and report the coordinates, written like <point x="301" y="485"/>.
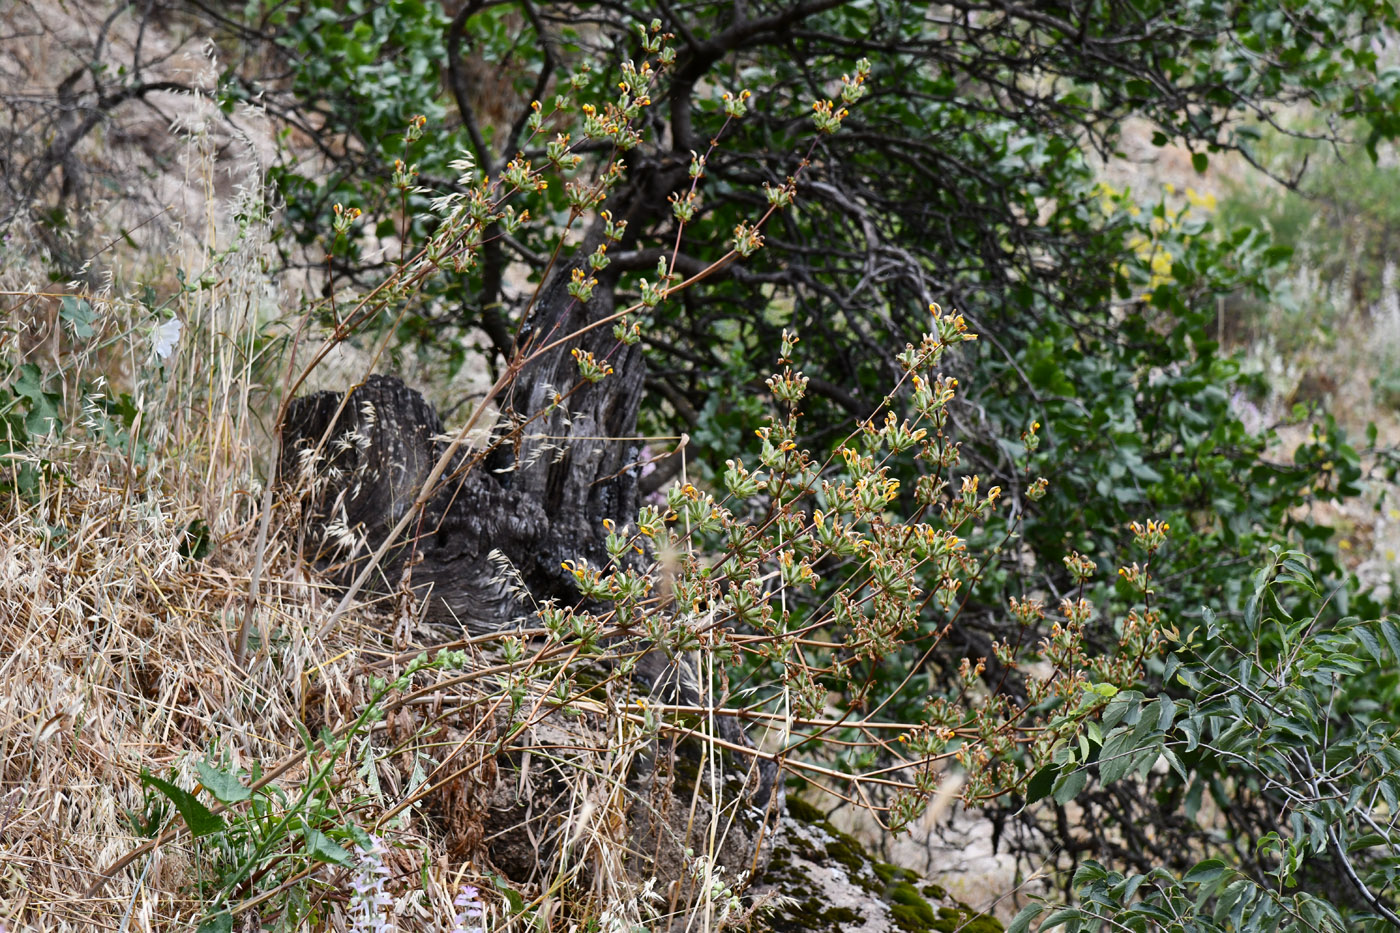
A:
<point x="812" y="914"/>
<point x="816" y="865"/>
<point x="890" y="873"/>
<point x="802" y="811"/>
<point x="911" y="910"/>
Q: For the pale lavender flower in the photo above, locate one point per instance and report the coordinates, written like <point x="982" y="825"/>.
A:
<point x="369" y="905"/>
<point x="469" y="908"/>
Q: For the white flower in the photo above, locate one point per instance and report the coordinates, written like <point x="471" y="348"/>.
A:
<point x="167" y="337"/>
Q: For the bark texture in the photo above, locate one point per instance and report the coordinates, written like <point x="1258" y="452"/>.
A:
<point x="504" y="520"/>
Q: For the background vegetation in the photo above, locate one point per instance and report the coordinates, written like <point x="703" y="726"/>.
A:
<point x="1170" y="378"/>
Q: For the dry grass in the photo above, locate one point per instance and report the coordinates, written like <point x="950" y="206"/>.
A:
<point x="120" y="658"/>
<point x="117" y="649"/>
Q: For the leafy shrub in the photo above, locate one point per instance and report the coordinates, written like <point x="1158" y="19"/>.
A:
<point x="1287" y="705"/>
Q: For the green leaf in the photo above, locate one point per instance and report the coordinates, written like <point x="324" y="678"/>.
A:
<point x="1116" y="757"/>
<point x="224" y="785"/>
<point x="1368" y="841"/>
<point x="1069" y="785"/>
<point x="1064" y="917"/>
<point x="512" y="896"/>
<point x="1175" y="762"/>
<point x="1021" y="923"/>
<point x="1118" y="707"/>
<point x="1391" y="632"/>
<point x="196" y="815"/>
<point x="360" y="836"/>
<point x="1200" y="162"/>
<point x="1039" y="786"/>
<point x="320" y="848"/>
<point x="1191" y="728"/>
<point x="221" y="922"/>
<point x="1205" y="872"/>
<point x="77" y="315"/>
<point x="1087" y="873"/>
<point x="1369" y="641"/>
<point x="195" y="543"/>
<point x="43" y="406"/>
<point x="1166" y="711"/>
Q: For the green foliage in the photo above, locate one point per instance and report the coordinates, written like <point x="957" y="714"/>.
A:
<point x="1097" y="369"/>
<point x="377" y="66"/>
<point x="1095" y="306"/>
<point x="29" y="413"/>
<point x="265" y="837"/>
<point x="1286" y="703"/>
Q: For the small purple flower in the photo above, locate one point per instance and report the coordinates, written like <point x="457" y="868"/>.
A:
<point x="469" y="908"/>
<point x="369" y="907"/>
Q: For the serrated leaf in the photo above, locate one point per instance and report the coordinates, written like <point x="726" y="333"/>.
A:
<point x="225" y="787"/>
<point x="1069" y="785"/>
<point x="361" y="838"/>
<point x="1369" y="641"/>
<point x="196" y="815"/>
<point x="321" y="848"/>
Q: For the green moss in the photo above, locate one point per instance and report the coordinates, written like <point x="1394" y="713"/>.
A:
<point x="802" y="811"/>
<point x="888" y="873"/>
<point x="962" y="919"/>
<point x="909" y="918"/>
<point x="845" y="849"/>
<point x="937" y="892"/>
<point x="910" y="911"/>
<point x="982" y="923"/>
<point x="812" y="916"/>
